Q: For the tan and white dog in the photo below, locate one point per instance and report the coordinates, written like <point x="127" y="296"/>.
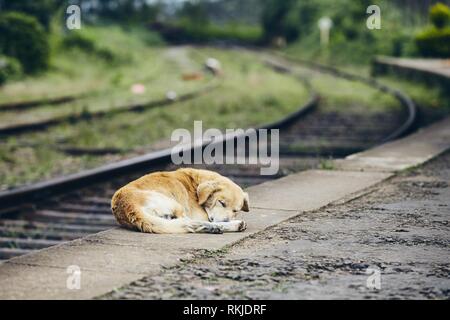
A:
<point x="182" y="201"/>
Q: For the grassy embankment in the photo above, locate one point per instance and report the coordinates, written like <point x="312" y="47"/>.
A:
<point x="353" y="46"/>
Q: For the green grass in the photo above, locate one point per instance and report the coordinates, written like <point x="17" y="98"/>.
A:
<point x="431" y="98"/>
<point x="423" y="95"/>
<point x="74" y="72"/>
<point x="428" y="97"/>
<point x="192" y="32"/>
<point x="351" y="42"/>
<point x="347" y="96"/>
<point x="104" y="86"/>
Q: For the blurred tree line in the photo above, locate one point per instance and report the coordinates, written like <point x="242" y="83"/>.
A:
<point x="417" y="8"/>
<point x="434" y="41"/>
<point x="123" y="11"/>
<point x="24" y="43"/>
<point x="295" y="21"/>
<point x="206" y="21"/>
<point x="26" y="26"/>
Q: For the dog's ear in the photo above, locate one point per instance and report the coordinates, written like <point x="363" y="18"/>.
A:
<point x="245" y="206"/>
<point x="205" y="190"/>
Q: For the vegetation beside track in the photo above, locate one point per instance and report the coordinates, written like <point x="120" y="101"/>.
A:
<point x="75" y="71"/>
<point x="250" y="94"/>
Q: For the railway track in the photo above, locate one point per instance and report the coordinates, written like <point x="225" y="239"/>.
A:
<point x="75" y="117"/>
<point x="25" y="105"/>
<point x="48" y="213"/>
<point x="82" y="116"/>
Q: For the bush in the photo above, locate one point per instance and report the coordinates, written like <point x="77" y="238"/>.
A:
<point x="24" y="38"/>
<point x="440" y="15"/>
<point x="434" y="42"/>
<point x="77" y="40"/>
<point x="42" y="10"/>
<point x="184" y="31"/>
<point x="280" y="19"/>
<point x="10" y="69"/>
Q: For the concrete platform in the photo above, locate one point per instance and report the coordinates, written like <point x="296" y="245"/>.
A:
<point x="438" y="66"/>
<point x="113" y="258"/>
<point x="401" y="154"/>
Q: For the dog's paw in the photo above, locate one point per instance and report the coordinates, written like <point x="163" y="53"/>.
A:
<point x="217" y="229"/>
<point x="206" y="227"/>
<point x="242" y="226"/>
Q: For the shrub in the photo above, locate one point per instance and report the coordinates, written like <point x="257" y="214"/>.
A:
<point x="185" y="31"/>
<point x="280" y="19"/>
<point x="42" y="10"/>
<point x="76" y="40"/>
<point x="24" y="38"/>
<point x="79" y="41"/>
<point x="434" y="42"/>
<point x="440" y="15"/>
<point x="10" y="69"/>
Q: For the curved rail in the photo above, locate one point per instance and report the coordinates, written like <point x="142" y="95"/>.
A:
<point x="407" y="103"/>
<point x="73" y="118"/>
<point x="24" y="105"/>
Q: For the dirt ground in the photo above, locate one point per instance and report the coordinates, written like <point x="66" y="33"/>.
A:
<point x="401" y="228"/>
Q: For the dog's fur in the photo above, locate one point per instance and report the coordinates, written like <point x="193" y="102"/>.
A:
<point x="182" y="201"/>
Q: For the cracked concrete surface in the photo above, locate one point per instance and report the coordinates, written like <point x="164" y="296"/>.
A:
<point x="400" y="228"/>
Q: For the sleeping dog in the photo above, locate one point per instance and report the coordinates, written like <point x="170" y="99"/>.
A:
<point x="182" y="201"/>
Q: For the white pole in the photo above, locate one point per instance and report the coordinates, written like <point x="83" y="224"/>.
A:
<point x="325" y="25"/>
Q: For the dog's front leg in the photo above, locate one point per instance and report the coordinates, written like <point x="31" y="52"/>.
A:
<point x="216" y="227"/>
<point x="232" y="226"/>
<point x="204" y="227"/>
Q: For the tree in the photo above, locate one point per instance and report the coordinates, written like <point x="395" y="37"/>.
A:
<point x="440" y="15"/>
<point x="275" y="20"/>
<point x="24" y="38"/>
<point x="42" y="10"/>
<point x="194" y="13"/>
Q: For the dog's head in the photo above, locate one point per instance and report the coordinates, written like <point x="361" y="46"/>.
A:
<point x="222" y="199"/>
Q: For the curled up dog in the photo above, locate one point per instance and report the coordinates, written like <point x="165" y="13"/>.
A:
<point x="182" y="201"/>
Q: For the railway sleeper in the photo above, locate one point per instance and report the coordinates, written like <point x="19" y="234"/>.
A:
<point x="71" y="207"/>
<point x="8" y="253"/>
<point x="26" y="224"/>
<point x="40" y="234"/>
<point x="21" y="243"/>
<point x="73" y="218"/>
